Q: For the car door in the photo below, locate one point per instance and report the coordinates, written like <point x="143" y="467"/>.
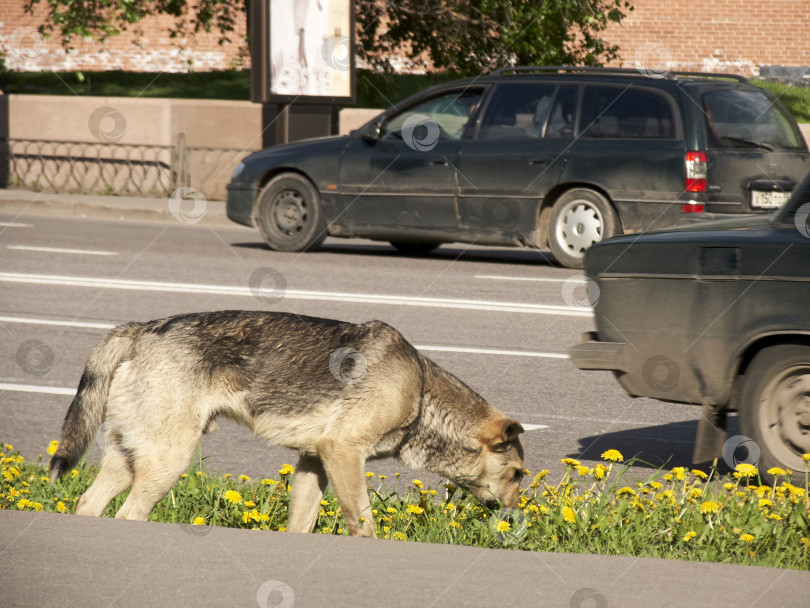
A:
<point x="515" y="157"/>
<point x="630" y="146"/>
<point x="404" y="180"/>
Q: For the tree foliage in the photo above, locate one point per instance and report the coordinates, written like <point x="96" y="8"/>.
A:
<point x="462" y="36"/>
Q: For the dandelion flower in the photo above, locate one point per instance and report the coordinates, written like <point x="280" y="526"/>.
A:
<point x="746" y="470"/>
<point x="656" y="485"/>
<point x="22" y="503"/>
<point x="689" y="536"/>
<point x="399" y="536"/>
<point x="571" y="461"/>
<point x="765" y="503"/>
<point x="503" y="526"/>
<point x="250" y="504"/>
<point x="805" y="541"/>
<point x="709" y="506"/>
<point x="805" y="457"/>
<point x="747" y="538"/>
<point x="416" y="509"/>
<point x="613" y="456"/>
<point x="583" y="470"/>
<point x="52" y="447"/>
<point x="233" y="497"/>
<point x="244" y="478"/>
<point x="600" y="471"/>
<point x="700" y="474"/>
<point x="454" y="524"/>
<point x="391" y="510"/>
<point x="369" y="474"/>
<point x="679" y="473"/>
<point x="569" y="515"/>
<point x="269" y="482"/>
<point x="60" y="507"/>
<point x="417" y="483"/>
<point x="626" y="490"/>
<point x="286" y="469"/>
<point x="383" y="476"/>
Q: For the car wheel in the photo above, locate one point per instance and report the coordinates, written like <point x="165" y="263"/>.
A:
<point x="289" y="214"/>
<point x="414" y="248"/>
<point x="580" y="218"/>
<point x="775" y="406"/>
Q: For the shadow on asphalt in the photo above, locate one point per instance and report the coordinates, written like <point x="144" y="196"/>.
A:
<point x="653" y="447"/>
<point x="526" y="257"/>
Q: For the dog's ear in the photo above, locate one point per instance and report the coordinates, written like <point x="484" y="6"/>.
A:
<point x="498" y="434"/>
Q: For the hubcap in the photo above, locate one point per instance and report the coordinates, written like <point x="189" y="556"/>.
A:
<point x="786" y="405"/>
<point x="580" y="226"/>
<point x="289" y="212"/>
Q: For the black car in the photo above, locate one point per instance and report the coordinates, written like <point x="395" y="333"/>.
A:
<point x="716" y="315"/>
<point x="534" y="157"/>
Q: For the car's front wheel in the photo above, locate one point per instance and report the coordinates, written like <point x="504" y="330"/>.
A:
<point x="579" y="218"/>
<point x="775" y="406"/>
<point x="289" y="214"/>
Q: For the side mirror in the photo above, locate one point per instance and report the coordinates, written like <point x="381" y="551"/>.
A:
<point x="371" y="132"/>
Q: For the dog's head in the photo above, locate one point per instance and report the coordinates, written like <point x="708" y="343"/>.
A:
<point x="501" y="464"/>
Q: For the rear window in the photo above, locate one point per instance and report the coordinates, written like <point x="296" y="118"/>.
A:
<point x="625" y="112"/>
<point x="749" y="119"/>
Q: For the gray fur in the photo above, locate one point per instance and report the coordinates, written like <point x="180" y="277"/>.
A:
<point x="158" y="386"/>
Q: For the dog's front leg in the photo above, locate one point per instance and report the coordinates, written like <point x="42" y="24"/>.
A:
<point x="345" y="468"/>
<point x="310" y="482"/>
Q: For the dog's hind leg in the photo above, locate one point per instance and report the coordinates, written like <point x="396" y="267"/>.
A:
<point x="310" y="482"/>
<point x="344" y="466"/>
<point x="155" y="474"/>
<point x="115" y="477"/>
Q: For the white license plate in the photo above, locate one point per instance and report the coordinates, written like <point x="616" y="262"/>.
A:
<point x="773" y="199"/>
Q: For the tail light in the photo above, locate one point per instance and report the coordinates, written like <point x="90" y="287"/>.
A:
<point x="696" y="164"/>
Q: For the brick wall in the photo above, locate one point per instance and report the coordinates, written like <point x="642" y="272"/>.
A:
<point x="713" y="35"/>
<point x="143" y="47"/>
<point x="736" y="36"/>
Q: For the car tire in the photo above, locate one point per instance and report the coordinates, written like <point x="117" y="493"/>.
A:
<point x="579" y="218"/>
<point x="774" y="407"/>
<point x="414" y="248"/>
<point x="289" y="214"/>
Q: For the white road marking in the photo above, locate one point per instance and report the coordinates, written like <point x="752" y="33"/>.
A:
<point x="296" y="294"/>
<point x="28" y="388"/>
<point x="28" y="321"/>
<point x="491" y="351"/>
<point x="533" y="427"/>
<point x="60" y="250"/>
<point x="496" y="277"/>
<point x="15" y="225"/>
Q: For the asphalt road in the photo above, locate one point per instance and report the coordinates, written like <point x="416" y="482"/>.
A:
<point x="499" y="319"/>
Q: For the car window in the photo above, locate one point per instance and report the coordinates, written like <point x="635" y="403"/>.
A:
<point x="749" y="118"/>
<point x="563" y="114"/>
<point x="517" y="111"/>
<point x="444" y="116"/>
<point x="625" y="112"/>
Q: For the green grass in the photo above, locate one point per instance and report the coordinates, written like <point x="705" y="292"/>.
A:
<point x="680" y="514"/>
<point x="373" y="90"/>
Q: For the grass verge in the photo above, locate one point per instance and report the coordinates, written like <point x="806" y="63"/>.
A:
<point x="678" y="514"/>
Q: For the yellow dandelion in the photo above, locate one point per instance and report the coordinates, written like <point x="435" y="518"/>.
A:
<point x="775" y="516"/>
<point x="805" y="541"/>
<point x="626" y="490"/>
<point x="454" y="524"/>
<point x="541" y="475"/>
<point x="746" y="538"/>
<point x="709" y="506"/>
<point x="571" y="461"/>
<point x="269" y="482"/>
<point x="73" y="473"/>
<point x="383" y="476"/>
<point x="416" y="509"/>
<point x="250" y="504"/>
<point x="22" y="503"/>
<point x="695" y="492"/>
<point x="391" y="510"/>
<point x="369" y="474"/>
<point x="227" y="475"/>
<point x="613" y="456"/>
<point x="689" y="536"/>
<point x="244" y="478"/>
<point x="52" y="446"/>
<point x="503" y="526"/>
<point x="569" y="515"/>
<point x="700" y="474"/>
<point x="60" y="507"/>
<point x="679" y="473"/>
<point x="37" y="505"/>
<point x="746" y="470"/>
<point x="765" y="503"/>
<point x="233" y="497"/>
<point x="777" y="472"/>
<point x="805" y="457"/>
<point x="399" y="536"/>
<point x="583" y="470"/>
<point x="729" y="487"/>
<point x="600" y="471"/>
<point x="286" y="469"/>
<point x="417" y="483"/>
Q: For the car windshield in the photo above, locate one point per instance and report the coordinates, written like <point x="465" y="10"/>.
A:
<point x="450" y="111"/>
<point x="749" y="119"/>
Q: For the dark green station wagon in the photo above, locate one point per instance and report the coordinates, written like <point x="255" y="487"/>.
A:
<point x="535" y="157"/>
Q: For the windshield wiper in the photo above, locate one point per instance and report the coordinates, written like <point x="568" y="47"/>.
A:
<point x="757" y="144"/>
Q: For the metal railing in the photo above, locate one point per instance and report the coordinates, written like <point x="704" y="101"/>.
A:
<point x="74" y="167"/>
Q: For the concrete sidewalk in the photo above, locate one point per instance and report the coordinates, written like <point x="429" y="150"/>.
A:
<point x="48" y="559"/>
<point x="203" y="212"/>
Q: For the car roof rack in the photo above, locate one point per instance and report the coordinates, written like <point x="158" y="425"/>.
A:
<point x="613" y="71"/>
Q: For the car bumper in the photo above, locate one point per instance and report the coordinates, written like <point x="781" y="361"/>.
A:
<point x="239" y="204"/>
<point x="593" y="354"/>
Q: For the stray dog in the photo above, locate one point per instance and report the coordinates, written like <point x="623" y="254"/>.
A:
<point x="339" y="393"/>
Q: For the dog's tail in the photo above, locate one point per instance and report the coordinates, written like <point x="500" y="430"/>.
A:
<point x="86" y="412"/>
